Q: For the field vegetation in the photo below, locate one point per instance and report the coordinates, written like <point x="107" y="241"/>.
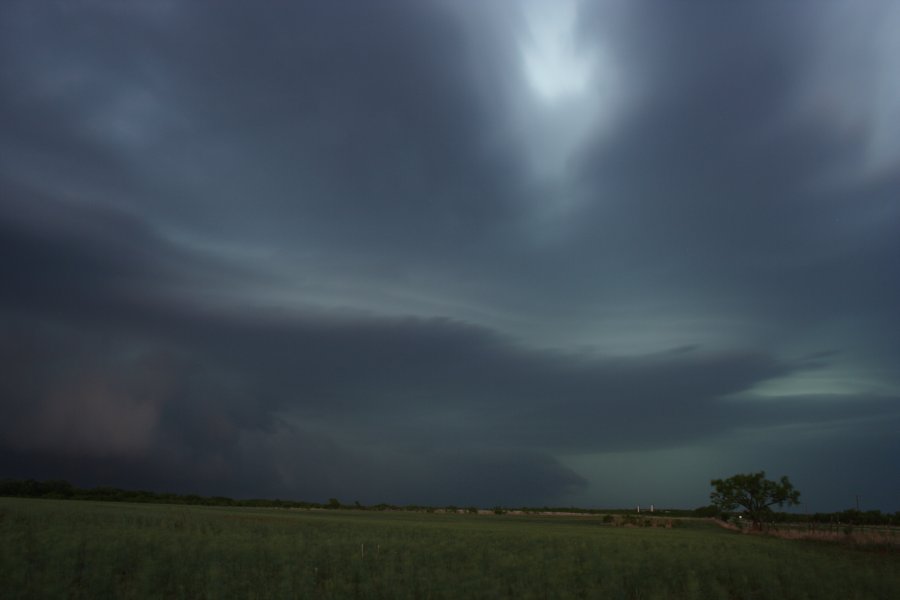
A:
<point x="89" y="549"/>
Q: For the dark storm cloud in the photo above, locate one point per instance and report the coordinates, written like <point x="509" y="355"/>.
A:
<point x="93" y="261"/>
<point x="312" y="249"/>
<point x="713" y="194"/>
<point x="341" y="402"/>
<point x="311" y="111"/>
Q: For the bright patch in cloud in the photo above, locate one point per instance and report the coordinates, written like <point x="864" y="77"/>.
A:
<point x="571" y="91"/>
<point x="554" y="67"/>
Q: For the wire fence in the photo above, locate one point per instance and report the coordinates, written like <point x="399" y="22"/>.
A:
<point x="850" y="533"/>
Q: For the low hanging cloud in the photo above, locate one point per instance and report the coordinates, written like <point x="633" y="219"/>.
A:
<point x="435" y="252"/>
<point x="343" y="402"/>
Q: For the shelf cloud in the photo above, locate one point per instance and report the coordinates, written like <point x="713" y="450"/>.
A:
<point x="518" y="253"/>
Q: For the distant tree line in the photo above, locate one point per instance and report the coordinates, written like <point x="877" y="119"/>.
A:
<point x="63" y="490"/>
<point x="845" y="517"/>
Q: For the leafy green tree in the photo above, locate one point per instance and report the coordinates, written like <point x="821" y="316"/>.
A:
<point x="754" y="493"/>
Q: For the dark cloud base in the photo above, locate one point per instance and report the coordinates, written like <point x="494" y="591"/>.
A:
<point x="398" y="410"/>
<point x="306" y="251"/>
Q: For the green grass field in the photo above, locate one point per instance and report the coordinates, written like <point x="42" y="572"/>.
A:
<point x="73" y="549"/>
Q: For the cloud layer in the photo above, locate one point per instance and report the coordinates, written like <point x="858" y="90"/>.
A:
<point x="530" y="253"/>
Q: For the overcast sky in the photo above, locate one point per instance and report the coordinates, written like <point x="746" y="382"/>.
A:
<point x="452" y="252"/>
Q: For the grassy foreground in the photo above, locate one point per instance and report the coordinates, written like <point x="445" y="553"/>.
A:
<point x="75" y="549"/>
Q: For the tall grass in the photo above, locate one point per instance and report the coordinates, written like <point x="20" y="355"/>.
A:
<point x="70" y="549"/>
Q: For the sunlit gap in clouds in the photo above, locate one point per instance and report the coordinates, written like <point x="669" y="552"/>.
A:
<point x="553" y="66"/>
<point x="570" y="97"/>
